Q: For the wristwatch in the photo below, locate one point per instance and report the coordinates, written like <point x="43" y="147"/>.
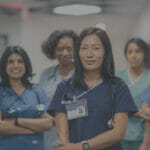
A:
<point x="85" y="145"/>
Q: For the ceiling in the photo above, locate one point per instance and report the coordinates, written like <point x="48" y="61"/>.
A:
<point x="128" y="7"/>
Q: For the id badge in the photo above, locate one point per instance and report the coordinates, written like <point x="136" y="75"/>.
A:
<point x="77" y="109"/>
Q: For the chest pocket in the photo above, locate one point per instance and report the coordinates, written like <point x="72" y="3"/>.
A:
<point x="104" y="105"/>
<point x="40" y="106"/>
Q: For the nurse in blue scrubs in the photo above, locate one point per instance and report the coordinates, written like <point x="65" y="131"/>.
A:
<point x="23" y="106"/>
<point x="91" y="109"/>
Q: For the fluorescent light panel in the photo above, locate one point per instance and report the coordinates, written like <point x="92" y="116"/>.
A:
<point x="77" y="9"/>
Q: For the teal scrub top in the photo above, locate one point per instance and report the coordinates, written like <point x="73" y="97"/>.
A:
<point x="11" y="106"/>
<point x="135" y="128"/>
<point x="49" y="80"/>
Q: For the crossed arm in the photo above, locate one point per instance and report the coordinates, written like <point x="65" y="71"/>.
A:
<point x="145" y="114"/>
<point x="101" y="141"/>
<point x="26" y="126"/>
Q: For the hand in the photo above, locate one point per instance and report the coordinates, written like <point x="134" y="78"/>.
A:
<point x="144" y="147"/>
<point x="10" y="120"/>
<point x="145" y="113"/>
<point x="70" y="146"/>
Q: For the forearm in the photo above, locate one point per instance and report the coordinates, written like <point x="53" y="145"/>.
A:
<point x="147" y="132"/>
<point x="145" y="143"/>
<point x="62" y="128"/>
<point x="37" y="125"/>
<point x="145" y="111"/>
<point x="99" y="142"/>
<point x="104" y="140"/>
<point x="8" y="127"/>
<point x="112" y="136"/>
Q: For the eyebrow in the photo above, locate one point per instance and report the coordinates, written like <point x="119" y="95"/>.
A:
<point x="92" y="45"/>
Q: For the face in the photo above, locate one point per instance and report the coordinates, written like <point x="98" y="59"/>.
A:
<point x="64" y="51"/>
<point x="91" y="53"/>
<point x="134" y="55"/>
<point x="15" y="67"/>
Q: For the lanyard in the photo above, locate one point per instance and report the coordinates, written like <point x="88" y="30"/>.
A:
<point x="11" y="110"/>
<point x="40" y="106"/>
<point x="74" y="97"/>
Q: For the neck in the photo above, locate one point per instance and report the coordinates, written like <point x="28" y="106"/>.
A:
<point x="136" y="71"/>
<point x="16" y="84"/>
<point x="92" y="75"/>
<point x="64" y="70"/>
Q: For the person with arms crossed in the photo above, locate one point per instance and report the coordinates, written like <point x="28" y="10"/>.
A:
<point x="23" y="105"/>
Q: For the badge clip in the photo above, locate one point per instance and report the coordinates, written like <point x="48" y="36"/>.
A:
<point x="74" y="99"/>
<point x="40" y="107"/>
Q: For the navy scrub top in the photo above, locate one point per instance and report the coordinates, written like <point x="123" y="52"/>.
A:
<point x="99" y="103"/>
<point x="24" y="106"/>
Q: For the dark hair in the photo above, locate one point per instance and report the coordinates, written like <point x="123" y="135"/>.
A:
<point x="3" y="62"/>
<point x="107" y="70"/>
<point x="143" y="46"/>
<point x="49" y="46"/>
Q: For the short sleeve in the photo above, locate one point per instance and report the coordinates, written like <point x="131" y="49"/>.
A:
<point x="123" y="99"/>
<point x="41" y="95"/>
<point x="56" y="104"/>
<point x="42" y="78"/>
<point x="145" y="95"/>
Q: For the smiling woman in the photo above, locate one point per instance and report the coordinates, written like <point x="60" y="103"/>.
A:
<point x="82" y="105"/>
<point x="15" y="67"/>
<point x="91" y="52"/>
<point x="60" y="46"/>
<point x="23" y="105"/>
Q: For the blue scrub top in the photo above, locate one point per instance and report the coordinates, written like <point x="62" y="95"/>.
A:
<point x="99" y="103"/>
<point x="12" y="105"/>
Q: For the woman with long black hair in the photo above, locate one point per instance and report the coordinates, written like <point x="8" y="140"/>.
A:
<point x="91" y="108"/>
<point x="23" y="105"/>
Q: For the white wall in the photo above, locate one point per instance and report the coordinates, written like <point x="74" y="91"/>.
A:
<point x="13" y="27"/>
<point x="31" y="32"/>
<point x="143" y="27"/>
<point x="38" y="27"/>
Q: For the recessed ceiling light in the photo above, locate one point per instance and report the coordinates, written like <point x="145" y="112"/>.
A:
<point x="77" y="9"/>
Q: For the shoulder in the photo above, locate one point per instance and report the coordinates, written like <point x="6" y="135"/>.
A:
<point x="147" y="72"/>
<point x="1" y="89"/>
<point x="36" y="88"/>
<point x="64" y="83"/>
<point x="49" y="71"/>
<point x="120" y="73"/>
<point x="117" y="84"/>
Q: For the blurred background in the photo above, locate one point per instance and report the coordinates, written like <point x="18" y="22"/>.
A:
<point x="29" y="22"/>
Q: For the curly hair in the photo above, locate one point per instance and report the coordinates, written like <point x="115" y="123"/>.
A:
<point x="49" y="45"/>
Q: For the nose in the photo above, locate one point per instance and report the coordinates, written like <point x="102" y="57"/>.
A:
<point x="65" y="52"/>
<point x="16" y="64"/>
<point x="133" y="55"/>
<point x="89" y="52"/>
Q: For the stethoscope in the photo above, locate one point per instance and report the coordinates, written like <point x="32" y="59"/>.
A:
<point x="40" y="106"/>
<point x="74" y="97"/>
<point x="110" y="122"/>
<point x="10" y="109"/>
